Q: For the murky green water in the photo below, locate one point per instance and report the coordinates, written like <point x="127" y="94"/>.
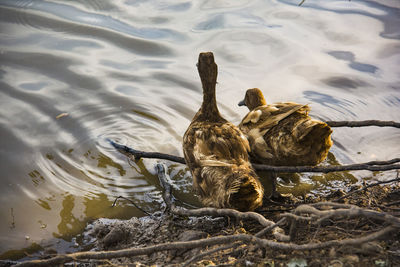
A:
<point x="126" y="70"/>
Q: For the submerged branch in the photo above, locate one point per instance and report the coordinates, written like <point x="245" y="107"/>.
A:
<point x="363" y="123"/>
<point x="370" y="166"/>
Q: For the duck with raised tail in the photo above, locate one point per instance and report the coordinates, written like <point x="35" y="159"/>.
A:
<point x="283" y="133"/>
<point x="216" y="152"/>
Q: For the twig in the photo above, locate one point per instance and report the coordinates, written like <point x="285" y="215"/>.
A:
<point x="366" y="187"/>
<point x="370" y="166"/>
<point x="142" y="154"/>
<point x="13" y="218"/>
<point x="363" y="123"/>
<point x="133" y="203"/>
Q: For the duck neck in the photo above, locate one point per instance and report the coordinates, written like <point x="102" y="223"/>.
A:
<point x="209" y="105"/>
<point x="208" y="72"/>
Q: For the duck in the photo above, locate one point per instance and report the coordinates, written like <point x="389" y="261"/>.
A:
<point x="216" y="152"/>
<point x="283" y="134"/>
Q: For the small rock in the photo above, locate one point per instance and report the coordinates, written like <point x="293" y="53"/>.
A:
<point x="188" y="236"/>
<point x="332" y="252"/>
<point x="315" y="263"/>
<point x="351" y="259"/>
<point x="116" y="234"/>
<point x="380" y="263"/>
<point x="297" y="263"/>
<point x="192" y="235"/>
<point x="336" y="263"/>
<point x="371" y="247"/>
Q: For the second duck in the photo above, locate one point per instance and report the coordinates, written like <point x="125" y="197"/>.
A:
<point x="283" y="133"/>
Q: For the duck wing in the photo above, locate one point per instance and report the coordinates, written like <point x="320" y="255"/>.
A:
<point x="217" y="155"/>
<point x="215" y="144"/>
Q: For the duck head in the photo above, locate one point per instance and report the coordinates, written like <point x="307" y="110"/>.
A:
<point x="208" y="71"/>
<point x="254" y="98"/>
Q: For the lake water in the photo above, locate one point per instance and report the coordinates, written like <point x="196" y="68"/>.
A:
<point x="126" y="70"/>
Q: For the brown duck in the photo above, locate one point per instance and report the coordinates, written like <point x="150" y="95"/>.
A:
<point x="217" y="152"/>
<point x="283" y="133"/>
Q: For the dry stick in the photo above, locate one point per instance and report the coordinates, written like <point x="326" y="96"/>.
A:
<point x="302" y="1"/>
<point x="130" y="252"/>
<point x="383" y="165"/>
<point x="133" y="203"/>
<point x="363" y="123"/>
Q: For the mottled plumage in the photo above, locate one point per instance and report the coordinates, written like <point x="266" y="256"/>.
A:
<point x="283" y="133"/>
<point x="217" y="152"/>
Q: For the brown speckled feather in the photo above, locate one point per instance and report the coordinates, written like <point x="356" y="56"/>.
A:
<point x="217" y="153"/>
<point x="283" y="133"/>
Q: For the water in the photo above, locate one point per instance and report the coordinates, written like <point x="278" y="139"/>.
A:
<point x="126" y="70"/>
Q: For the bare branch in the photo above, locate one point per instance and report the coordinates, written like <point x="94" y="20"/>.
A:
<point x="370" y="166"/>
<point x="363" y="123"/>
<point x="326" y="169"/>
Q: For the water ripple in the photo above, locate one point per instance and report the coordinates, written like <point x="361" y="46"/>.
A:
<point x="75" y="15"/>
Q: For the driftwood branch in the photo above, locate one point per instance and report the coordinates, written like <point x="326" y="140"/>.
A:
<point x="370" y="166"/>
<point x="363" y="123"/>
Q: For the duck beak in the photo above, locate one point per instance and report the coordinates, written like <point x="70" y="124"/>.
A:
<point x="241" y="103"/>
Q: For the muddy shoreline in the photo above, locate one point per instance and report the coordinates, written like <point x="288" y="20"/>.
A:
<point x="105" y="234"/>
